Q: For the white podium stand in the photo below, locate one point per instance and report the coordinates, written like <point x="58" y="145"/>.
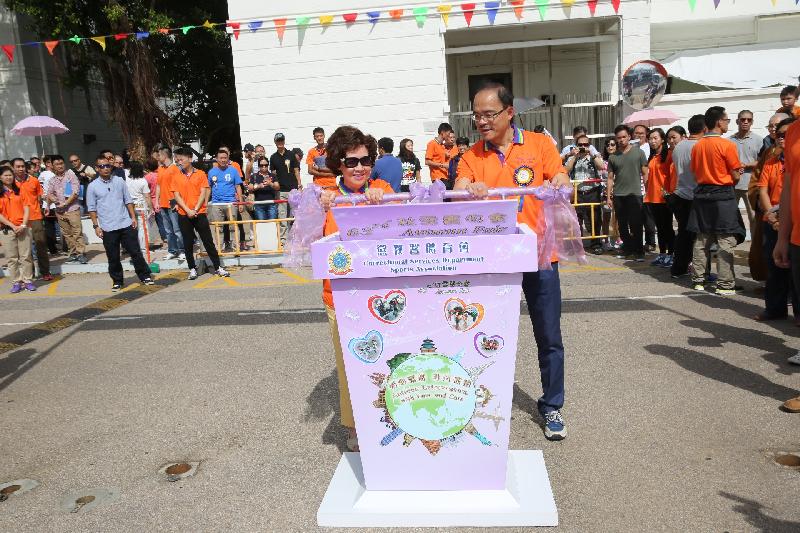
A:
<point x="526" y="501"/>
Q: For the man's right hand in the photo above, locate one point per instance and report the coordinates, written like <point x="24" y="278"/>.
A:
<point x="609" y="202"/>
<point x="98" y="232"/>
<point x="191" y="213"/>
<point x="478" y="190"/>
<point x="780" y="254"/>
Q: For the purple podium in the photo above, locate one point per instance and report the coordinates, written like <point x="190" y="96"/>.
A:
<point x="427" y="301"/>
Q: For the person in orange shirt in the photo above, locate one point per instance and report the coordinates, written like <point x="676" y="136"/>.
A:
<point x="715" y="215"/>
<point x="779" y="287"/>
<point x="32" y="193"/>
<point x="511" y="157"/>
<point x="351" y="155"/>
<point x="440" y="150"/>
<point x="191" y="191"/>
<point x="789" y="105"/>
<point x="658" y="178"/>
<point x="167" y="171"/>
<point x="315" y="160"/>
<point x="15" y="237"/>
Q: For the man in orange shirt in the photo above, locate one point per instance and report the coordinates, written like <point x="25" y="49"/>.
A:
<point x="316" y="162"/>
<point x="787" y="250"/>
<point x="191" y="190"/>
<point x="715" y="216"/>
<point x="31" y="191"/>
<point x="439" y="152"/>
<point x="167" y="170"/>
<point x="510" y="157"/>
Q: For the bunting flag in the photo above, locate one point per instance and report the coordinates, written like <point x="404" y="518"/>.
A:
<point x="207" y="25"/>
<point x="255" y="25"/>
<point x="568" y="3"/>
<point x="75" y="39"/>
<point x="350" y="18"/>
<point x="396" y="14"/>
<point x="140" y="35"/>
<point x="325" y="20"/>
<point x="302" y="22"/>
<point x="692" y="4"/>
<point x="518" y="8"/>
<point x="120" y="36"/>
<point x="51" y="45"/>
<point x="236" y="27"/>
<point x="8" y="50"/>
<point x="421" y="14"/>
<point x="280" y="28"/>
<point x="469" y="10"/>
<point x="165" y="31"/>
<point x="592" y="6"/>
<point x="444" y="11"/>
<point x="615" y="3"/>
<point x="373" y="16"/>
<point x="185" y="29"/>
<point x="542" y="5"/>
<point x="101" y="41"/>
<point x="491" y="10"/>
<point x="716" y="4"/>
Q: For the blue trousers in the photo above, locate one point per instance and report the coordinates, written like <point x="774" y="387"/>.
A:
<point x="169" y="219"/>
<point x="265" y="211"/>
<point x="543" y="295"/>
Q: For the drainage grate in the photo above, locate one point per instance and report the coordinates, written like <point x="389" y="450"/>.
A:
<point x="88" y="499"/>
<point x="177" y="471"/>
<point x="17" y="487"/>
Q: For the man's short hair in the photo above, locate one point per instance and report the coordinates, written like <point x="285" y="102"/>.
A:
<point x="166" y="149"/>
<point x="743" y="111"/>
<point x="789" y="90"/>
<point x="222" y="150"/>
<point x="696" y="125"/>
<point x="713" y="115"/>
<point x="107" y="151"/>
<point x="646" y="129"/>
<point x="444" y="127"/>
<point x="183" y="151"/>
<point x="577" y="130"/>
<point x="386" y="144"/>
<point x="504" y="94"/>
<point x="462" y="141"/>
<point x="622" y="127"/>
<point x="55" y="157"/>
<point x="261" y="145"/>
<point x="580" y="136"/>
<point x="47" y="159"/>
<point x="318" y="130"/>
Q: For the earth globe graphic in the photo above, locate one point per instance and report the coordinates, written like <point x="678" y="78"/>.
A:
<point x="432" y="409"/>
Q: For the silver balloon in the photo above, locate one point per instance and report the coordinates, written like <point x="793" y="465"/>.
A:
<point x="643" y="84"/>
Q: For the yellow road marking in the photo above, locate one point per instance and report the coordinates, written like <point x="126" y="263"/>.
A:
<point x="206" y="282"/>
<point x="294" y="276"/>
<point x="53" y="287"/>
<point x="232" y="282"/>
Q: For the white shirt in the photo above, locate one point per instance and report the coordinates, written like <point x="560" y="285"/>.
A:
<point x="44" y="177"/>
<point x="139" y="190"/>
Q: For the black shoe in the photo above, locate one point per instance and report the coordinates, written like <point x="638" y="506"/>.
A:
<point x="597" y="250"/>
<point x="71" y="259"/>
<point x="148" y="281"/>
<point x="82" y="259"/>
<point x="116" y="287"/>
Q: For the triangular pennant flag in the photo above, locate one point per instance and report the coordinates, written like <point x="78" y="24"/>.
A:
<point x="8" y="50"/>
<point x="142" y="35"/>
<point x="255" y="25"/>
<point x="101" y="41"/>
<point x="75" y="39"/>
<point x="350" y="18"/>
<point x="518" y="7"/>
<point x="373" y="16"/>
<point x="325" y="19"/>
<point x="120" y="36"/>
<point x="164" y="31"/>
<point x="468" y="10"/>
<point x="716" y="4"/>
<point x="615" y="3"/>
<point x="396" y="14"/>
<point x="692" y="5"/>
<point x="592" y="6"/>
<point x="280" y="28"/>
<point x="421" y="14"/>
<point x="491" y="10"/>
<point x="207" y="25"/>
<point x="444" y="11"/>
<point x="542" y="5"/>
<point x="51" y="45"/>
<point x="185" y="29"/>
<point x="302" y="21"/>
<point x="568" y="3"/>
<point x="236" y="27"/>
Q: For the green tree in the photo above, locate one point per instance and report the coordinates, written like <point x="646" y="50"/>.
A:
<point x="164" y="88"/>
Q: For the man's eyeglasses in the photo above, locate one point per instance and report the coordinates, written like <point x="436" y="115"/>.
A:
<point x="352" y="162"/>
<point x="105" y="166"/>
<point x="583" y="145"/>
<point x="488" y="117"/>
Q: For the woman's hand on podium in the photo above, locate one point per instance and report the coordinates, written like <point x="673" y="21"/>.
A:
<point x="374" y="196"/>
<point x="326" y="199"/>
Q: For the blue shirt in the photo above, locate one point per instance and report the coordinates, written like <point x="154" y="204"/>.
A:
<point x="389" y="169"/>
<point x="223" y="184"/>
<point x="109" y="199"/>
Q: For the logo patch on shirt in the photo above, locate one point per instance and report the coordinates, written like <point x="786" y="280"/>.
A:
<point x="523" y="176"/>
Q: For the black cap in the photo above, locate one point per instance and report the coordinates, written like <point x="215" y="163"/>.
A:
<point x="279" y="137"/>
<point x="248" y="147"/>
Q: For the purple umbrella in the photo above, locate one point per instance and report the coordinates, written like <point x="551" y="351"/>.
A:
<point x="38" y="126"/>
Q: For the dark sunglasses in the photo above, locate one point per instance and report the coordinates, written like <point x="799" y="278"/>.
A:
<point x="352" y="162"/>
<point x="584" y="145"/>
<point x="74" y="160"/>
<point x="105" y="166"/>
<point x="781" y="135"/>
<point x="263" y="166"/>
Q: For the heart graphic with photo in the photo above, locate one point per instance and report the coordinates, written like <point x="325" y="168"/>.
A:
<point x="367" y="348"/>
<point x="462" y="316"/>
<point x="388" y="308"/>
<point x="488" y="345"/>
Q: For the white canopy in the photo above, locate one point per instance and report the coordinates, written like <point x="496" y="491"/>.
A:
<point x="738" y="67"/>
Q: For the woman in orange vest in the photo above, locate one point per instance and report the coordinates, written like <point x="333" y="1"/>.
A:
<point x="15" y="236"/>
<point x="654" y="199"/>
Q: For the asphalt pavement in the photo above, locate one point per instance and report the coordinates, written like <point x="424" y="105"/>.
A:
<point x="672" y="406"/>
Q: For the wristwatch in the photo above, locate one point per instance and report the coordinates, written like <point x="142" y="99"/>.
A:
<point x="95" y="226"/>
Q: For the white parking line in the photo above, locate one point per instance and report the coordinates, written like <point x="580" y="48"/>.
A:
<point x="283" y="312"/>
<point x="20" y="323"/>
<point x="655" y="297"/>
<point x="113" y="318"/>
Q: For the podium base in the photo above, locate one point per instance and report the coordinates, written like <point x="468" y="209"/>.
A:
<point x="526" y="501"/>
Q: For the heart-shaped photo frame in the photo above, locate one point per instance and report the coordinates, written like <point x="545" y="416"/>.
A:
<point x="388" y="308"/>
<point x="462" y="316"/>
<point x="367" y="348"/>
<point x="489" y="345"/>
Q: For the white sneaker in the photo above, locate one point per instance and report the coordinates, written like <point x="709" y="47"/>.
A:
<point x="795" y="359"/>
<point x="192" y="274"/>
<point x="169" y="256"/>
<point x="221" y="272"/>
<point x="182" y="257"/>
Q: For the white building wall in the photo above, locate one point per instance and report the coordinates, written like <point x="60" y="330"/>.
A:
<point x="14" y="103"/>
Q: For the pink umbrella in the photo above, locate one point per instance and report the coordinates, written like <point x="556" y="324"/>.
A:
<point x="651" y="117"/>
<point x="37" y="126"/>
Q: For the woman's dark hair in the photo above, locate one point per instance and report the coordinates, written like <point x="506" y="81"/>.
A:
<point x="136" y="170"/>
<point x="14" y="186"/>
<point x="405" y="154"/>
<point x="606" y="153"/>
<point x="346" y="139"/>
<point x="664" y="153"/>
<point x="151" y="164"/>
<point x="784" y="122"/>
<point x="677" y="129"/>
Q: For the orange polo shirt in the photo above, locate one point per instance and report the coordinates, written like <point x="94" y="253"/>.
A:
<point x="657" y="180"/>
<point x="327" y="182"/>
<point x="191" y="187"/>
<point x="31" y="191"/>
<point x="165" y="175"/>
<point x="529" y="152"/>
<point x="12" y="206"/>
<point x="714" y="159"/>
<point x="771" y="177"/>
<point x="791" y="157"/>
<point x="331" y="227"/>
<point x="437" y="153"/>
